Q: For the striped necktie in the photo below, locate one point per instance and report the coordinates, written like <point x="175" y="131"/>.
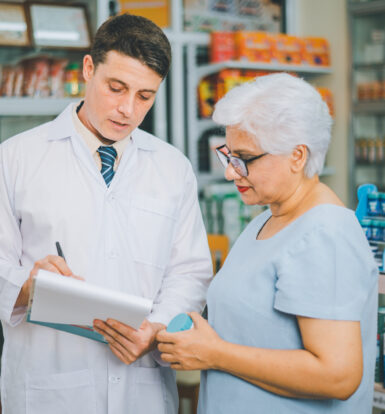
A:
<point x="108" y="156"/>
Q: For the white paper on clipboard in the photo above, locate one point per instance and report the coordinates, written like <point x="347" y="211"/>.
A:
<point x="64" y="300"/>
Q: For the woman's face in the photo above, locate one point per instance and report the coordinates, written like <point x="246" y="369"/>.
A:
<point x="269" y="178"/>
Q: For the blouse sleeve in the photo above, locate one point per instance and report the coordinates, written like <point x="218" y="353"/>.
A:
<point x="329" y="273"/>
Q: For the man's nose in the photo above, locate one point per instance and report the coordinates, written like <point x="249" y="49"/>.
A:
<point x="126" y="106"/>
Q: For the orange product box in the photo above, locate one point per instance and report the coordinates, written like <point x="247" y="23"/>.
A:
<point x="253" y="46"/>
<point x="226" y="80"/>
<point x="316" y="51"/>
<point x="222" y="46"/>
<point x="206" y="96"/>
<point x="327" y="96"/>
<point x="287" y="49"/>
<point x="156" y="11"/>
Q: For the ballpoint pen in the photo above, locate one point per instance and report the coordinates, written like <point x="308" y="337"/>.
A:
<point x="59" y="250"/>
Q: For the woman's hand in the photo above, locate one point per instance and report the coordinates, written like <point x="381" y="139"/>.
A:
<point x="190" y="350"/>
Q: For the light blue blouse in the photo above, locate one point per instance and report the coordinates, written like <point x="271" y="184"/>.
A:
<point x="319" y="266"/>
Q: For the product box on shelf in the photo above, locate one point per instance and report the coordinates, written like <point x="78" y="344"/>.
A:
<point x="222" y="46"/>
<point x="253" y="46"/>
<point x="287" y="49"/>
<point x="316" y="51"/>
<point x="206" y="96"/>
<point x="157" y="11"/>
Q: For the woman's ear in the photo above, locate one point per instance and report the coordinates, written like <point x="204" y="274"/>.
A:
<point x="88" y="67"/>
<point x="298" y="158"/>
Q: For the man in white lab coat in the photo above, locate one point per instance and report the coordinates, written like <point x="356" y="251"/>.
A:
<point x="131" y="224"/>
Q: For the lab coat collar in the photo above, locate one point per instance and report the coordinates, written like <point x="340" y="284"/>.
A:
<point x="62" y="127"/>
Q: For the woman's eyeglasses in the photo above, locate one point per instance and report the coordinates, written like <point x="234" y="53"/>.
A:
<point x="239" y="164"/>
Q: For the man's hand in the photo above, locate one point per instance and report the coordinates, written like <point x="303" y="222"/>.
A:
<point x="127" y="343"/>
<point x="51" y="263"/>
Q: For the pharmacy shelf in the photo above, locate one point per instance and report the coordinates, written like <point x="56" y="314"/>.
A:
<point x="369" y="107"/>
<point x="33" y="106"/>
<point x="205" y="70"/>
<point x="379" y="396"/>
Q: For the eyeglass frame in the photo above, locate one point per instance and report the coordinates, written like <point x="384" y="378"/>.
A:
<point x="230" y="158"/>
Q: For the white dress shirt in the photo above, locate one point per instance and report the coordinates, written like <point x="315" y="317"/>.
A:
<point x="93" y="143"/>
<point x="142" y="235"/>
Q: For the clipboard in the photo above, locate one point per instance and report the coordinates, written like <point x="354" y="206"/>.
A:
<point x="71" y="305"/>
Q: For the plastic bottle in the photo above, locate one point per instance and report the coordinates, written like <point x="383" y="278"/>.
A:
<point x="71" y="82"/>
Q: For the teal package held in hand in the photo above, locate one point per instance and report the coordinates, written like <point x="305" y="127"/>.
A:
<point x="181" y="322"/>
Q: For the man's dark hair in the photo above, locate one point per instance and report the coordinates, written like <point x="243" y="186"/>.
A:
<point x="136" y="37"/>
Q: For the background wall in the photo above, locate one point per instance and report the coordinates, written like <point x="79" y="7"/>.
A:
<point x="329" y="19"/>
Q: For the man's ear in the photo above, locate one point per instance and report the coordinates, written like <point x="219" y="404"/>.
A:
<point x="298" y="158"/>
<point x="88" y="67"/>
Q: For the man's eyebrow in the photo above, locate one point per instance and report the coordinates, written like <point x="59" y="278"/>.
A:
<point x="126" y="86"/>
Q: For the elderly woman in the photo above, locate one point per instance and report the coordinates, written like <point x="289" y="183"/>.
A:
<point x="292" y="313"/>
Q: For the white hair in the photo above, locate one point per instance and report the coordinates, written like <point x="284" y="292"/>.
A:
<point x="281" y="112"/>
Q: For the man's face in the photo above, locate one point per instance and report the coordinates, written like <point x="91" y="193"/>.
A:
<point x="119" y="93"/>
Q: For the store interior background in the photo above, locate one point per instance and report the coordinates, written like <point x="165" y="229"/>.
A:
<point x="330" y="19"/>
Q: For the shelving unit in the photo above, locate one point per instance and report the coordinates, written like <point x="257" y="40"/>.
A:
<point x="26" y="109"/>
<point x="195" y="73"/>
<point x="367" y="114"/>
<point x="33" y="106"/>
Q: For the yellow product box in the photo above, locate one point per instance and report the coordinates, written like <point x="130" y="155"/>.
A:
<point x="316" y="51"/>
<point x="253" y="46"/>
<point x="226" y="80"/>
<point x="206" y="96"/>
<point x="156" y="11"/>
<point x="287" y="49"/>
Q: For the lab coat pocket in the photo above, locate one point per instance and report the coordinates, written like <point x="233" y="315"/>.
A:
<point x="70" y="392"/>
<point x="153" y="222"/>
<point x="149" y="391"/>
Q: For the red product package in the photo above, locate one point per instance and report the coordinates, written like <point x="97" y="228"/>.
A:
<point x="222" y="46"/>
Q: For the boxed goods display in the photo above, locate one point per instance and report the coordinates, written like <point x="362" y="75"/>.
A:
<point x="253" y="46"/>
<point x="41" y="77"/>
<point x="157" y="11"/>
<point x="316" y="51"/>
<point x="286" y="49"/>
<point x="222" y="46"/>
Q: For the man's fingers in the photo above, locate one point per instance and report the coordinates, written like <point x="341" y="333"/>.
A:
<point x="106" y="330"/>
<point x="53" y="264"/>
<point x="122" y="329"/>
<point x="60" y="264"/>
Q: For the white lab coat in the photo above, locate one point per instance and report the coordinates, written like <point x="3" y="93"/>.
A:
<point x="143" y="235"/>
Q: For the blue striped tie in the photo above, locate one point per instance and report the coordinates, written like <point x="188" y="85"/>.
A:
<point x="107" y="155"/>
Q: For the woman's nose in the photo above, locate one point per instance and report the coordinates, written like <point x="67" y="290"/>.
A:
<point x="230" y="173"/>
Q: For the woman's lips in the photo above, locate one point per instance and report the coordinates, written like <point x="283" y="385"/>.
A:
<point x="242" y="189"/>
